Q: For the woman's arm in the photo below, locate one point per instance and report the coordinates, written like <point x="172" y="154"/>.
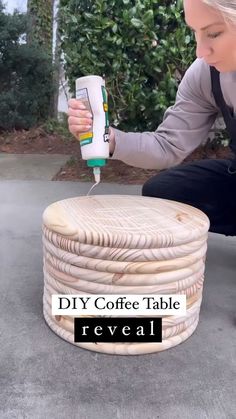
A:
<point x="185" y="126"/>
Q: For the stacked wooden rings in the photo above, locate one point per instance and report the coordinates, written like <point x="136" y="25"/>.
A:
<point x="120" y="244"/>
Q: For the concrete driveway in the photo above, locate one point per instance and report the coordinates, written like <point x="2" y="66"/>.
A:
<point x="30" y="166"/>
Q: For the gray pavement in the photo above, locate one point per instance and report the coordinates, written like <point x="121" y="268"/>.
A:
<point x="43" y="376"/>
<point x="30" y="166"/>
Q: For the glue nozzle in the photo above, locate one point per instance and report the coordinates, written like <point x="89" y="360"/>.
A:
<point x="97" y="174"/>
<point x="96" y="164"/>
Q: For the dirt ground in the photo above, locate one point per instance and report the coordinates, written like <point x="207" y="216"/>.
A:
<point x="38" y="140"/>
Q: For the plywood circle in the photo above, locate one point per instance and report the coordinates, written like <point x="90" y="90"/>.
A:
<point x="125" y="267"/>
<point x="64" y="284"/>
<point x="75" y="274"/>
<point x="123" y="221"/>
<point x="122" y="254"/>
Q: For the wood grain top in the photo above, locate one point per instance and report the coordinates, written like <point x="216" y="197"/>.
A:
<point x="123" y="221"/>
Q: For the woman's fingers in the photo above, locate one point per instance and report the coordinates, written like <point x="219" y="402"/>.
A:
<point x="78" y="129"/>
<point x="72" y="120"/>
<point x="76" y="104"/>
<point x="80" y="119"/>
<point x="79" y="113"/>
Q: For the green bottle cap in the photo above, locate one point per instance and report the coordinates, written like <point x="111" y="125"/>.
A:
<point x="96" y="162"/>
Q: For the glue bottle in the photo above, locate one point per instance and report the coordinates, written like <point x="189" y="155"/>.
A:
<point x="95" y="142"/>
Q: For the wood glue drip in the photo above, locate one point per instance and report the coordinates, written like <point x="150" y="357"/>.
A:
<point x="97" y="177"/>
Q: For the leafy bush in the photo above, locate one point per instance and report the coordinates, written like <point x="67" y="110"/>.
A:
<point x="60" y="127"/>
<point x="143" y="48"/>
<point x="25" y="76"/>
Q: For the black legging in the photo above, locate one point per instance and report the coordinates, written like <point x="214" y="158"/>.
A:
<point x="204" y="184"/>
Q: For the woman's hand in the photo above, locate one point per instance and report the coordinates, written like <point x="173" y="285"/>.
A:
<point x="80" y="120"/>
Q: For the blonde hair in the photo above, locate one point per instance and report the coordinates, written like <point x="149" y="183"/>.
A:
<point x="226" y="7"/>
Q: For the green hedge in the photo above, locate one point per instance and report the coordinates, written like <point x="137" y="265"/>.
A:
<point x="143" y="48"/>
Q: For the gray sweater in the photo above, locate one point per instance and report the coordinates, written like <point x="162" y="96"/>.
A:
<point x="185" y="125"/>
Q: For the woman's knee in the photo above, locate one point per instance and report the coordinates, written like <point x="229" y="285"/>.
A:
<point x="156" y="187"/>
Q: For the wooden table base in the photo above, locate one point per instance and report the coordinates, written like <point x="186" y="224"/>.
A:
<point x="119" y="244"/>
